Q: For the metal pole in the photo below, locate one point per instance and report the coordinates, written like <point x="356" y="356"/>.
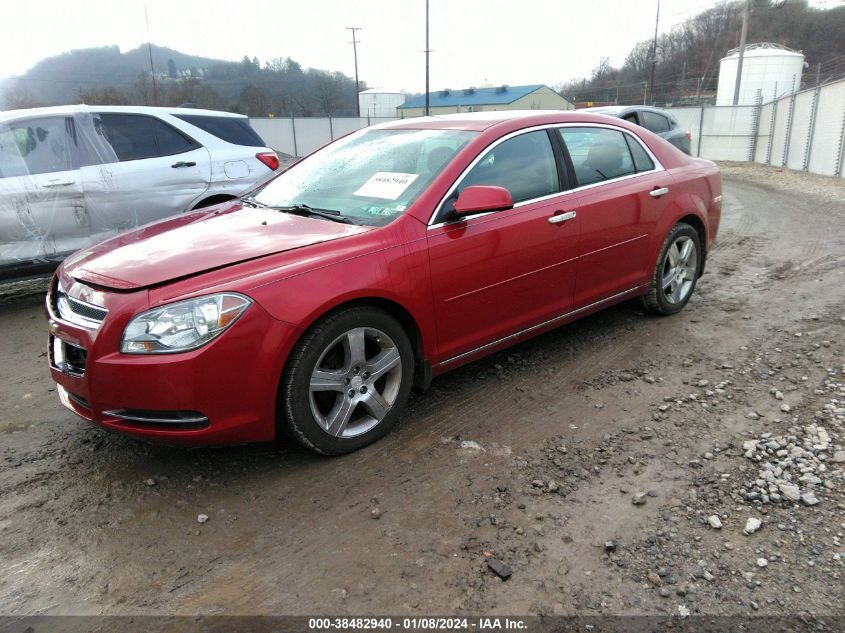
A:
<point x="700" y="131"/>
<point x="742" y="37"/>
<point x="789" y="116"/>
<point x="427" y="51"/>
<point x="811" y="132"/>
<point x="772" y="126"/>
<point x="755" y="128"/>
<point x="150" y="50"/>
<point x="653" y="57"/>
<point x="840" y="151"/>
<point x="354" y="43"/>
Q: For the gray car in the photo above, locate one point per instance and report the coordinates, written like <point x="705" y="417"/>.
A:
<point x="658" y="121"/>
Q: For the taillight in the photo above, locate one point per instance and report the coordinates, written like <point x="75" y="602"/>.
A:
<point x="270" y="159"/>
<point x="689" y="135"/>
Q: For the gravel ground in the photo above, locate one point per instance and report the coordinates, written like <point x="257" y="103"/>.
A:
<point x="619" y="465"/>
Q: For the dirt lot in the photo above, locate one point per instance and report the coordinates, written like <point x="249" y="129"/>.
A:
<point x="621" y="427"/>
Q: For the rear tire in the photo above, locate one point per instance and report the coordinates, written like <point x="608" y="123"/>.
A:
<point x="675" y="272"/>
<point x="346" y="381"/>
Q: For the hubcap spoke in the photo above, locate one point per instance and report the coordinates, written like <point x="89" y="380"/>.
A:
<point x="339" y="417"/>
<point x="686" y="251"/>
<point x="677" y="290"/>
<point x="354" y="343"/>
<point x="322" y="380"/>
<point x="673" y="255"/>
<point x="383" y="363"/>
<point x="375" y="404"/>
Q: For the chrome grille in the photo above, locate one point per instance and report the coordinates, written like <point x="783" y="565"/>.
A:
<point x="75" y="311"/>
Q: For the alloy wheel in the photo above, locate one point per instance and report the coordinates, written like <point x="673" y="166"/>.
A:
<point x="680" y="266"/>
<point x="355" y="382"/>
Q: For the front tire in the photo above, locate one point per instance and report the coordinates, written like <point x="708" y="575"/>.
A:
<point x="676" y="271"/>
<point x="347" y="380"/>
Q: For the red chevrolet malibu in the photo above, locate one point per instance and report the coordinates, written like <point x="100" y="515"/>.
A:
<point x="388" y="257"/>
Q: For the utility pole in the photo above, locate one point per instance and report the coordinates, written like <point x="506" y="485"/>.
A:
<point x="354" y="43"/>
<point x="742" y="36"/>
<point x="653" y="56"/>
<point x="427" y="51"/>
<point x="150" y="50"/>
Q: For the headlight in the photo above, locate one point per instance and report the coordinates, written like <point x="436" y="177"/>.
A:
<point x="182" y="326"/>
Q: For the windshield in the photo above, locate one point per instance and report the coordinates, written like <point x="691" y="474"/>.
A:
<point x="370" y="177"/>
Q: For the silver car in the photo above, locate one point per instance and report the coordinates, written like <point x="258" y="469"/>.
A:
<point x="71" y="176"/>
<point x="658" y="121"/>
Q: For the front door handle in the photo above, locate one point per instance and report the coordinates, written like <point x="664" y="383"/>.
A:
<point x="183" y="163"/>
<point x="656" y="193"/>
<point x="562" y="217"/>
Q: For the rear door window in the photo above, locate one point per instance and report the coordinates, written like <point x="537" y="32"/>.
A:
<point x="136" y="136"/>
<point x="170" y="140"/>
<point x="524" y="165"/>
<point x="657" y="123"/>
<point x="35" y="146"/>
<point x="597" y="154"/>
<point x="233" y="130"/>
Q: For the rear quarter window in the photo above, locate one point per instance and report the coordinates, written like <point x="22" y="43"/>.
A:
<point x="657" y="123"/>
<point x="232" y="130"/>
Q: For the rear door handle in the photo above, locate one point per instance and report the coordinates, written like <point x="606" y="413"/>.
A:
<point x="562" y="217"/>
<point x="183" y="163"/>
<point x="656" y="193"/>
<point x="58" y="183"/>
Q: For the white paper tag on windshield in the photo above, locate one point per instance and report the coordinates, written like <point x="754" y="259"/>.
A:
<point x="386" y="184"/>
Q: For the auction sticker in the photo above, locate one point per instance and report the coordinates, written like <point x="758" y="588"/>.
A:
<point x="386" y="184"/>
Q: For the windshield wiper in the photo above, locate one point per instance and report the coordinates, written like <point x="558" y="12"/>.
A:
<point x="304" y="209"/>
<point x="252" y="202"/>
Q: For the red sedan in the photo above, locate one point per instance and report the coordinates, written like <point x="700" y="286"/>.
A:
<point x="388" y="257"/>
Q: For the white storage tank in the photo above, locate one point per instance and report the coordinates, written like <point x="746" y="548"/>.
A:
<point x="766" y="67"/>
<point x="379" y="102"/>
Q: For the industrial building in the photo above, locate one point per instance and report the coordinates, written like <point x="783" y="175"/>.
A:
<point x="768" y="70"/>
<point x="532" y="97"/>
<point x="380" y="102"/>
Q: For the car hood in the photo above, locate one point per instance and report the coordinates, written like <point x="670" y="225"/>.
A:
<point x="198" y="242"/>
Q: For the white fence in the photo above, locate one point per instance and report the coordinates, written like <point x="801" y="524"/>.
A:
<point x="301" y="136"/>
<point x="803" y="131"/>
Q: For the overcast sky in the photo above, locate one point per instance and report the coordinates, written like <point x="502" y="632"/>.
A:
<point x="474" y="41"/>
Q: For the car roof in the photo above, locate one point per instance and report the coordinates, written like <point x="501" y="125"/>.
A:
<point x="620" y="110"/>
<point x="67" y="110"/>
<point x="480" y="121"/>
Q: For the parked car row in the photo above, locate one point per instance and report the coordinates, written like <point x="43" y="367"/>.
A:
<point x="388" y="257"/>
<point x="72" y="176"/>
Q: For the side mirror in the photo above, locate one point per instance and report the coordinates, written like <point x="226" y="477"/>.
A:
<point x="481" y="198"/>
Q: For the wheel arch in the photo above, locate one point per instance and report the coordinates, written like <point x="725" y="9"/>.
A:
<point x="422" y="364"/>
<point x="210" y="201"/>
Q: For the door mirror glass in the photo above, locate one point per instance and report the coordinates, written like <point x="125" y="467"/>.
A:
<point x="482" y="198"/>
